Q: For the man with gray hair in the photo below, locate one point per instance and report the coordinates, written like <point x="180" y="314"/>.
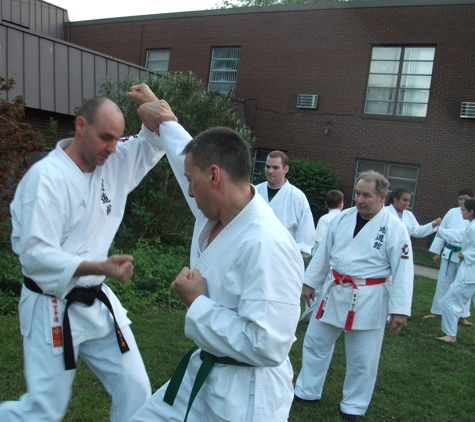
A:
<point x="363" y="246"/>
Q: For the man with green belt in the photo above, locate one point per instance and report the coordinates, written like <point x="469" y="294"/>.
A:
<point x="446" y="256"/>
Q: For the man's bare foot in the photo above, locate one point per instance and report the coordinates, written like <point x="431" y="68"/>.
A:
<point x="431" y="316"/>
<point x="447" y="339"/>
<point x="463" y="321"/>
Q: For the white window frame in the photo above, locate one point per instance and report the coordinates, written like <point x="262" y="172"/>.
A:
<point x="399" y="80"/>
<point x="224" y="69"/>
<point x="158" y="60"/>
<point x="399" y="176"/>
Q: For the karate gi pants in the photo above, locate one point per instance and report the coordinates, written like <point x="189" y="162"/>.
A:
<point x="157" y="410"/>
<point x="362" y="347"/>
<point x="443" y="284"/>
<point x="455" y="304"/>
<point x="49" y="385"/>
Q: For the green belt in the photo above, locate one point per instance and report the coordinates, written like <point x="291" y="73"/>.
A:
<point x="208" y="362"/>
<point x="452" y="250"/>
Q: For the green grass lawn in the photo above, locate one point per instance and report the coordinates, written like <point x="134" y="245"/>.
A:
<point x="419" y="378"/>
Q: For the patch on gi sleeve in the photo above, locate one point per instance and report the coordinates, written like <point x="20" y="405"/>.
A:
<point x="405" y="252"/>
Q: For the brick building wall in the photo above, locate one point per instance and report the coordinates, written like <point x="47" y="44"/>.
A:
<point x="325" y="49"/>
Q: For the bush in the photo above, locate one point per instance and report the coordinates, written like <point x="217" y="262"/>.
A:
<point x="155" y="268"/>
<point x="157" y="207"/>
<point x="315" y="180"/>
<point x="11" y="280"/>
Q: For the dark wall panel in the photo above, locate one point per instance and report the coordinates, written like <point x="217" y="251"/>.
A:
<point x="15" y="67"/>
<point x="32" y="71"/>
<point x="47" y="75"/>
<point x="75" y="79"/>
<point x="61" y="80"/>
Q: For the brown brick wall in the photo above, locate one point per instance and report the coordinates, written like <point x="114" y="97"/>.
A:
<point x="327" y="52"/>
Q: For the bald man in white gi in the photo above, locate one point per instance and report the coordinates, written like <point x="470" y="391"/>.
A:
<point x="363" y="246"/>
<point x="288" y="202"/>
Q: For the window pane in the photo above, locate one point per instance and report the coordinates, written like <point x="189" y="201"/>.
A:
<point x="370" y="165"/>
<point x="386" y="53"/>
<point x="404" y="172"/>
<point x="409" y="81"/>
<point x="231" y="65"/>
<point x="261" y="155"/>
<point x="386" y="94"/>
<point x="158" y="54"/>
<point x="389" y="81"/>
<point x="384" y="67"/>
<point x="414" y="95"/>
<point x="408" y="109"/>
<point x="419" y="53"/>
<point x="226" y="53"/>
<point x="417" y="68"/>
<point x="158" y="66"/>
<point x="157" y="60"/>
<point x="379" y="107"/>
<point x="223" y="73"/>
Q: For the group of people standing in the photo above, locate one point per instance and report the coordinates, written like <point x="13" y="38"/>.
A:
<point x="243" y="287"/>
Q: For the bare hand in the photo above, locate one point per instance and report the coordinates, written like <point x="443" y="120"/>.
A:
<point x="396" y="322"/>
<point x="436" y="259"/>
<point x="308" y="293"/>
<point x="155" y="112"/>
<point x="188" y="285"/>
<point x="460" y="255"/>
<point x="141" y="94"/>
<point x="437" y="222"/>
<point x="119" y="267"/>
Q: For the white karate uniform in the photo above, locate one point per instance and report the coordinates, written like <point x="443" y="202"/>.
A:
<point x="463" y="288"/>
<point x="291" y="207"/>
<point x="320" y="231"/>
<point x="411" y="223"/>
<point x="448" y="267"/>
<point x="60" y="217"/>
<point x="382" y="247"/>
<point x="245" y="314"/>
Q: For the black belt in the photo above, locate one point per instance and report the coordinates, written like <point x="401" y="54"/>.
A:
<point x="205" y="368"/>
<point x="86" y="295"/>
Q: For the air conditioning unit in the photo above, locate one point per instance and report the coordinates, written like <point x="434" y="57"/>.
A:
<point x="468" y="111"/>
<point x="307" y="101"/>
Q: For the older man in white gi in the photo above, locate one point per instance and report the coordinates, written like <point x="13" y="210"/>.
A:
<point x="445" y="254"/>
<point x="363" y="246"/>
<point x="238" y="315"/>
<point x="288" y="202"/>
<point x="65" y="214"/>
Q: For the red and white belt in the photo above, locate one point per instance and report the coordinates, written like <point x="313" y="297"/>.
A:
<point x="342" y="279"/>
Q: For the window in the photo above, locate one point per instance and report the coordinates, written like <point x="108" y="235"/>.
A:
<point x="399" y="175"/>
<point x="260" y="157"/>
<point x="224" y="67"/>
<point x="399" y="81"/>
<point x="157" y="60"/>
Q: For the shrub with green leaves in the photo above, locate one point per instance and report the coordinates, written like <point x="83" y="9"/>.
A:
<point x="315" y="180"/>
<point x="155" y="268"/>
<point x="157" y="207"/>
<point x="11" y="280"/>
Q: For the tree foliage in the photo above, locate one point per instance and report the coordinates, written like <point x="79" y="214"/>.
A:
<point x="157" y="207"/>
<point x="17" y="141"/>
<point x="226" y="4"/>
<point x="315" y="180"/>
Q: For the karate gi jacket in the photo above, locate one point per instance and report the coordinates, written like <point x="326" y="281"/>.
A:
<point x="466" y="238"/>
<point x="291" y="207"/>
<point x="322" y="226"/>
<point x="253" y="273"/>
<point x="452" y="220"/>
<point x="381" y="248"/>
<point x="60" y="219"/>
<point x="411" y="223"/>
